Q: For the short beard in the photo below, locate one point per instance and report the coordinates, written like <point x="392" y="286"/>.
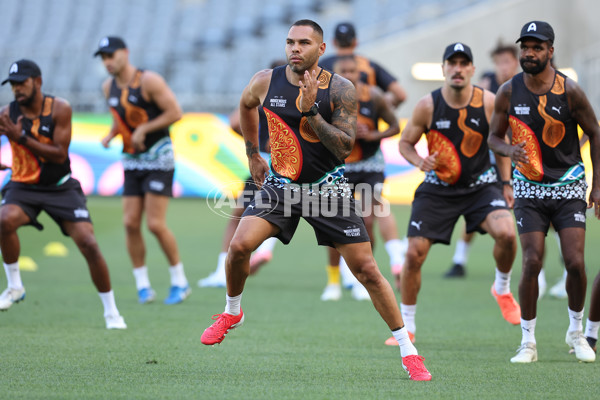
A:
<point x="28" y="100"/>
<point x="539" y="66"/>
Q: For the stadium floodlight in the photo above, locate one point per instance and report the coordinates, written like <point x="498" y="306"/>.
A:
<point x="427" y="71"/>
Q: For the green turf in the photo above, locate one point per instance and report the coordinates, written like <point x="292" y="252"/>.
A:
<point x="54" y="345"/>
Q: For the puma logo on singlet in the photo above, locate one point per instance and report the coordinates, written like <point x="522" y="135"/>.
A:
<point x="475" y="121"/>
<point x="113" y="101"/>
<point x="45" y="128"/>
<point x="317" y="103"/>
<point x="557" y="109"/>
<point x="132" y="99"/>
<point x="416" y="224"/>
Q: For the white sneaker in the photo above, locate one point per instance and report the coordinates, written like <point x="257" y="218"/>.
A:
<point x="213" y="280"/>
<point x="527" y="353"/>
<point x="332" y="292"/>
<point x="559" y="290"/>
<point x="115" y="322"/>
<point x="542" y="286"/>
<point x="359" y="292"/>
<point x="578" y="342"/>
<point x="11" y="296"/>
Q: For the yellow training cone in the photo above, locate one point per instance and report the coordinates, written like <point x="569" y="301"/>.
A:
<point x="55" y="249"/>
<point x="27" y="264"/>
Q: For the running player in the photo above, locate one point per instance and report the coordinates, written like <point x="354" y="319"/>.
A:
<point x="143" y="107"/>
<point x="312" y="121"/>
<point x="38" y="127"/>
<point x="543" y="108"/>
<point x="459" y="180"/>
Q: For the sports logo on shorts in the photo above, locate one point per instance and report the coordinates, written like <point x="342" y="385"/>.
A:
<point x="156" y="185"/>
<point x="352" y="231"/>
<point x="520" y="222"/>
<point x="498" y="203"/>
<point x="532" y="27"/>
<point x="81" y="213"/>
<point x="579" y="217"/>
<point x="416" y="224"/>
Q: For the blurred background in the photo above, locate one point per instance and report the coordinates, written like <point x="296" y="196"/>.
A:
<point x="207" y="50"/>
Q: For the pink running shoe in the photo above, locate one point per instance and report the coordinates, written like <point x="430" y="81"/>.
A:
<point x="415" y="368"/>
<point x="224" y="323"/>
<point x="259" y="259"/>
<point x="511" y="311"/>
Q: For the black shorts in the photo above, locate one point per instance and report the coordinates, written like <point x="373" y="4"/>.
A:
<point x="63" y="203"/>
<point x="249" y="192"/>
<point x="138" y="182"/>
<point x="374" y="180"/>
<point x="434" y="215"/>
<point x="536" y="215"/>
<point x="334" y="220"/>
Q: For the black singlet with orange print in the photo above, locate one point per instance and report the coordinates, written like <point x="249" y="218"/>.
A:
<point x="297" y="154"/>
<point x="130" y="109"/>
<point x="26" y="166"/>
<point x="460" y="138"/>
<point x="545" y="124"/>
<point x="367" y="115"/>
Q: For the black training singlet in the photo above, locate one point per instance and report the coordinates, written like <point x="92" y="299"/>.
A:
<point x="297" y="154"/>
<point x="460" y="138"/>
<point x="27" y="167"/>
<point x="130" y="110"/>
<point x="367" y="114"/>
<point x="545" y="123"/>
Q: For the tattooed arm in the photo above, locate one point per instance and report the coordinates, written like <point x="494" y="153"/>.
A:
<point x="252" y="97"/>
<point x="338" y="136"/>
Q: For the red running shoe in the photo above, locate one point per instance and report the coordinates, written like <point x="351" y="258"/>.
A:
<point x="224" y="323"/>
<point x="415" y="368"/>
<point x="511" y="311"/>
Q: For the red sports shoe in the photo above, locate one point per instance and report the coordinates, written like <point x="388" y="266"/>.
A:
<point x="393" y="342"/>
<point x="224" y="323"/>
<point x="511" y="311"/>
<point x="415" y="368"/>
<point x="258" y="259"/>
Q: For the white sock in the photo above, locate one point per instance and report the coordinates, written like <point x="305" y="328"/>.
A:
<point x="395" y="250"/>
<point x="232" y="306"/>
<point x="108" y="301"/>
<point x="591" y="329"/>
<point x="141" y="277"/>
<point x="177" y="275"/>
<point x="461" y="253"/>
<point x="220" y="271"/>
<point x="542" y="278"/>
<point x="406" y="347"/>
<point x="575" y="320"/>
<point x="13" y="275"/>
<point x="348" y="279"/>
<point x="267" y="245"/>
<point x="528" y="329"/>
<point x="502" y="282"/>
<point x="408" y="315"/>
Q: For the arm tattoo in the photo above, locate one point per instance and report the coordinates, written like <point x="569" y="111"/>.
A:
<point x="251" y="148"/>
<point x="338" y="136"/>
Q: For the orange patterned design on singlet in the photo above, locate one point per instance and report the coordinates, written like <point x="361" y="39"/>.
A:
<point x="554" y="131"/>
<point x="534" y="171"/>
<point x="134" y="115"/>
<point x="306" y="130"/>
<point x="448" y="167"/>
<point x="472" y="139"/>
<point x="286" y="155"/>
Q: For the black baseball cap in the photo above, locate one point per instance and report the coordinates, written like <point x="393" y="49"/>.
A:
<point x="537" y="29"/>
<point x="458" y="48"/>
<point x="20" y="70"/>
<point x="345" y="33"/>
<point x="109" y="45"/>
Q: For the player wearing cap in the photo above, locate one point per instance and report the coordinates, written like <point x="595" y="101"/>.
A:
<point x="38" y="127"/>
<point x="143" y="107"/>
<point x="459" y="180"/>
<point x="543" y="108"/>
<point x="372" y="74"/>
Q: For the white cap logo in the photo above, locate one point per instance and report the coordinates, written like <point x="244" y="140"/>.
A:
<point x="13" y="69"/>
<point x="103" y="42"/>
<point x="459" y="47"/>
<point x="343" y="29"/>
<point x="532" y="27"/>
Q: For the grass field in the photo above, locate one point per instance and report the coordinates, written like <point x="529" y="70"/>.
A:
<point x="292" y="345"/>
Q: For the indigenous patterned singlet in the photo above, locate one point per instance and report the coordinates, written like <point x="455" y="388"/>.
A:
<point x="365" y="156"/>
<point x="544" y="123"/>
<point x="129" y="110"/>
<point x="460" y="138"/>
<point x="27" y="167"/>
<point x="297" y="154"/>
